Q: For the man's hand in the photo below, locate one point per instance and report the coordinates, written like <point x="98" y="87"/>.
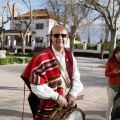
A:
<point x="71" y="99"/>
<point x="61" y="101"/>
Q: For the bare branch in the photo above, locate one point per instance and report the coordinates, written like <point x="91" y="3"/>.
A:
<point x="26" y="3"/>
<point x="2" y="26"/>
<point x="21" y="18"/>
<point x="110" y="16"/>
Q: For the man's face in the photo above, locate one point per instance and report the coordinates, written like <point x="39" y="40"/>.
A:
<point x="59" y="37"/>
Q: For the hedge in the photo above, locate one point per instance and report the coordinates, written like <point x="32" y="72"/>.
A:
<point x="17" y="60"/>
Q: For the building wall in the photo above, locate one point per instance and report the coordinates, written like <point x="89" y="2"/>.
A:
<point x="41" y="33"/>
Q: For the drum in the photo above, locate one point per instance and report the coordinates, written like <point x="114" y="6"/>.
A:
<point x="69" y="113"/>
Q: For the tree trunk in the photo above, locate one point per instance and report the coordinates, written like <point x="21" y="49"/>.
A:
<point x="88" y="36"/>
<point x="72" y="42"/>
<point x="112" y="42"/>
<point x="2" y="38"/>
<point x="72" y="37"/>
<point x="23" y="45"/>
<point x="104" y="44"/>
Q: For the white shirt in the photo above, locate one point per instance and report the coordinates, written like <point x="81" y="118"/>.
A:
<point x="45" y="92"/>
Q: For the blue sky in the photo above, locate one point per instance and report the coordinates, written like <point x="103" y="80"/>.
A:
<point x="36" y="4"/>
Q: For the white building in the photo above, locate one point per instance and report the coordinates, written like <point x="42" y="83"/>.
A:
<point x="37" y="37"/>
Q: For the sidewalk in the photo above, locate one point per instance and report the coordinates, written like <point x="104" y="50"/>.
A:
<point x="94" y="81"/>
<point x="93" y="104"/>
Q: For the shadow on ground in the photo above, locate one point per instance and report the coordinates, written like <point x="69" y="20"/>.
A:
<point x="8" y="112"/>
<point x="94" y="113"/>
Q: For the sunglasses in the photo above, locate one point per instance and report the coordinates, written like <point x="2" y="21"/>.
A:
<point x="58" y="35"/>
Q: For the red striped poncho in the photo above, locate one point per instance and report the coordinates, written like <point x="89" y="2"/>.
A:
<point x="43" y="69"/>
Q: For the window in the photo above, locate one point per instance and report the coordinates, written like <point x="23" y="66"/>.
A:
<point x="39" y="39"/>
<point x="17" y="25"/>
<point x="40" y="26"/>
<point x="18" y="40"/>
<point x="37" y="26"/>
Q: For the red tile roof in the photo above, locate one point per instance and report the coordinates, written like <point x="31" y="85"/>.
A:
<point x="40" y="14"/>
<point x="15" y="31"/>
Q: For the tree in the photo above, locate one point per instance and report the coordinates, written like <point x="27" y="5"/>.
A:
<point x="71" y="13"/>
<point x="101" y="40"/>
<point x="18" y="27"/>
<point x="105" y="41"/>
<point x="77" y="14"/>
<point x="78" y="37"/>
<point x="110" y="11"/>
<point x="88" y="27"/>
<point x="2" y="29"/>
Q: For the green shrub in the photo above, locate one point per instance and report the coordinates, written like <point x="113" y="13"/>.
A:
<point x="24" y="55"/>
<point x="92" y="47"/>
<point x="89" y="46"/>
<point x="19" y="54"/>
<point x="107" y="47"/>
<point x="8" y="53"/>
<point x="18" y="60"/>
<point x="31" y="54"/>
<point x="3" y="61"/>
<point x="27" y="59"/>
<point x="118" y="43"/>
<point x="78" y="46"/>
<point x="11" y="60"/>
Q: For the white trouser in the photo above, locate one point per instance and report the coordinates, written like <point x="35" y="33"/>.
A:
<point x="111" y="94"/>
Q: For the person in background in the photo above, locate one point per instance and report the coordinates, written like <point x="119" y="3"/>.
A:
<point x="113" y="72"/>
<point x="46" y="81"/>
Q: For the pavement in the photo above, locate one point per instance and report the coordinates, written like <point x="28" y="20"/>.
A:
<point x="93" y="103"/>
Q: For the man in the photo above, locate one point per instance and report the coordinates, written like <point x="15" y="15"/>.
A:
<point x="46" y="81"/>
